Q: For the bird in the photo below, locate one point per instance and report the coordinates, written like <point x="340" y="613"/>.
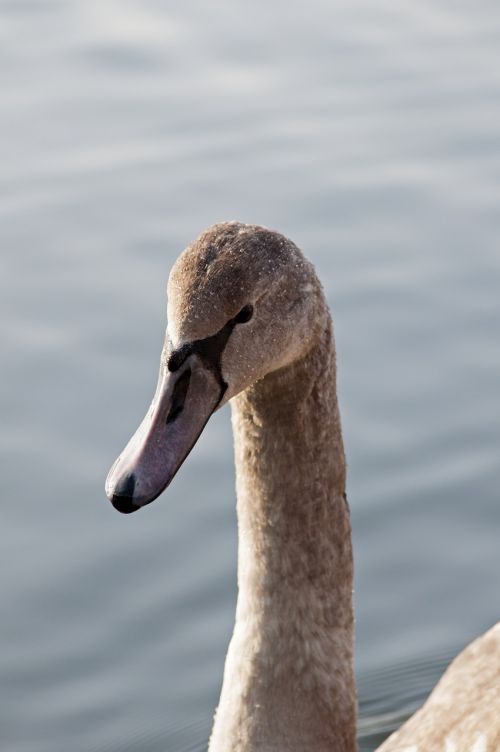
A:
<point x="249" y="324"/>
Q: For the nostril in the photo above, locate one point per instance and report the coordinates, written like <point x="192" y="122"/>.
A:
<point x="179" y="395"/>
<point x="123" y="496"/>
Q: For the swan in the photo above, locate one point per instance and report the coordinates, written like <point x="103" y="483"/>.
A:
<point x="248" y="322"/>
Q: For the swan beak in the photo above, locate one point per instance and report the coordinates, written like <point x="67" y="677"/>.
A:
<point x="183" y="403"/>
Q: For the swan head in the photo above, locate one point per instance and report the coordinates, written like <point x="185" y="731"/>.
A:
<point x="242" y="302"/>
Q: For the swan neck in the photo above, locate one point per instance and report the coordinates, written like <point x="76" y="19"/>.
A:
<point x="288" y="681"/>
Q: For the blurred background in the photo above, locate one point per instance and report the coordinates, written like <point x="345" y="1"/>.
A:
<point x="369" y="132"/>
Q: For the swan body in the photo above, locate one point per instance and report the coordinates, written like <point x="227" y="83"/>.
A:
<point x="462" y="713"/>
<point x="248" y="322"/>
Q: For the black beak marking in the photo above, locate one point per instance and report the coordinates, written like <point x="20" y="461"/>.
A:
<point x="123" y="498"/>
<point x="210" y="351"/>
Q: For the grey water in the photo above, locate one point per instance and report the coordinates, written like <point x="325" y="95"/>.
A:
<point x="369" y="132"/>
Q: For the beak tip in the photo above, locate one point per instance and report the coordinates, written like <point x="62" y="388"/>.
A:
<point x="121" y="494"/>
<point x="124" y="504"/>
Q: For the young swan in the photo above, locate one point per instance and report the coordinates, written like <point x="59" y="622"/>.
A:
<point x="248" y="321"/>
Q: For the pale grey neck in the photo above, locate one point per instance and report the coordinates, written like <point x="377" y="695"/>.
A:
<point x="288" y="681"/>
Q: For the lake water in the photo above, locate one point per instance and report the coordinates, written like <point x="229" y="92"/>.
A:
<point x="368" y="132"/>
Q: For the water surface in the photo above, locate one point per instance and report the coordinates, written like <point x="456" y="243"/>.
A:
<point x="368" y="133"/>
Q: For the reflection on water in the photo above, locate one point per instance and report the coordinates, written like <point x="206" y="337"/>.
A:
<point x="369" y="134"/>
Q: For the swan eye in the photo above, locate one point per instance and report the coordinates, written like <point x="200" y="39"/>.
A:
<point x="244" y="315"/>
